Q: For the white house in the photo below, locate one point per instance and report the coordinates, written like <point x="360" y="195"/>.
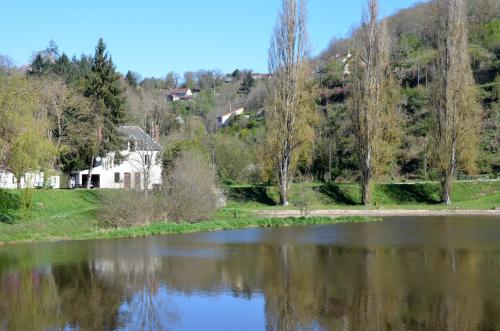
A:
<point x="179" y="94"/>
<point x="222" y="120"/>
<point x="138" y="167"/>
<point x="33" y="179"/>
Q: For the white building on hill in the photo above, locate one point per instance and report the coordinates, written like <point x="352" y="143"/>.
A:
<point x="139" y="169"/>
<point x="223" y="120"/>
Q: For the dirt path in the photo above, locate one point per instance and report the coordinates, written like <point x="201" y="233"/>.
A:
<point x="379" y="212"/>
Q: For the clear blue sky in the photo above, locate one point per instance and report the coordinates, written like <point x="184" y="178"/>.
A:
<point x="153" y="37"/>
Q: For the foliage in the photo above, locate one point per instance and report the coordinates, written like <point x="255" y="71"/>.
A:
<point x="289" y="112"/>
<point x="190" y="189"/>
<point x="233" y="159"/>
<point x="247" y="83"/>
<point x="303" y="200"/>
<point x="455" y="108"/>
<point x="372" y="100"/>
<point x="119" y="208"/>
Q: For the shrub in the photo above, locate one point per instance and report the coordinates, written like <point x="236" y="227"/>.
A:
<point x="303" y="200"/>
<point x="8" y="201"/>
<point x="125" y="208"/>
<point x="4" y="218"/>
<point x="189" y="189"/>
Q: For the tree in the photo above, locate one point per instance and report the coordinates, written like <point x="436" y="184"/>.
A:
<point x="172" y="80"/>
<point x="190" y="188"/>
<point x="30" y="151"/>
<point x="103" y="88"/>
<point x="7" y="65"/>
<point x="455" y="109"/>
<point x="132" y="78"/>
<point x="371" y="101"/>
<point x="24" y="143"/>
<point x="247" y="83"/>
<point x="289" y="112"/>
<point x="233" y="158"/>
<point x="236" y="74"/>
<point x="189" y="81"/>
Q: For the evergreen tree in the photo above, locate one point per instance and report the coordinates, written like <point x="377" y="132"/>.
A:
<point x="40" y="66"/>
<point x="131" y="78"/>
<point x="102" y="87"/>
<point x="246" y="84"/>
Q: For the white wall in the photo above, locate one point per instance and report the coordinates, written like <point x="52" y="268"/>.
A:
<point x="132" y="164"/>
<point x="30" y="179"/>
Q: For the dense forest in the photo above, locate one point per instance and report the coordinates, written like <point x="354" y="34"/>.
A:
<point x="61" y="98"/>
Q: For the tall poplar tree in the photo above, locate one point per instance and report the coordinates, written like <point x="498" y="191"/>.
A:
<point x="456" y="113"/>
<point x="106" y="95"/>
<point x="373" y="99"/>
<point x="289" y="111"/>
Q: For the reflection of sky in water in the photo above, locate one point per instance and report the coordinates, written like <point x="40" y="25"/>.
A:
<point x="172" y="310"/>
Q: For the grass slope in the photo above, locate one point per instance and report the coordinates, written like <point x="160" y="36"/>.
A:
<point x="465" y="195"/>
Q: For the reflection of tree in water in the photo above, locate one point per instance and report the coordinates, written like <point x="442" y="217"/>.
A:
<point x="149" y="308"/>
<point x="305" y="287"/>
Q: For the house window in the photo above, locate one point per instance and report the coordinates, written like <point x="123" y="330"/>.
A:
<point x="147" y="160"/>
<point x="117" y="177"/>
<point x="132" y="145"/>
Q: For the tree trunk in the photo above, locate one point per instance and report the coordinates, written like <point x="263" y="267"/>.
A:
<point x="89" y="176"/>
<point x="365" y="191"/>
<point x="330" y="159"/>
<point x="446" y="188"/>
<point x="366" y="175"/>
<point x="283" y="181"/>
<point x="447" y="175"/>
<point x="19" y="186"/>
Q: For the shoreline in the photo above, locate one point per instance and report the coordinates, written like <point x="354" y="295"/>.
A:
<point x="167" y="228"/>
<point x="379" y="212"/>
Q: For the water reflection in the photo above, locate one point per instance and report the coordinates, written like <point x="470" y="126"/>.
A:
<point x="278" y="279"/>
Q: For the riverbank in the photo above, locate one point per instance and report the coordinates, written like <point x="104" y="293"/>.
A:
<point x="163" y="228"/>
<point x="379" y="212"/>
<point x="74" y="214"/>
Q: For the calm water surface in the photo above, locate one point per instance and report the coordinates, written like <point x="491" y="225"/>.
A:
<point x="399" y="274"/>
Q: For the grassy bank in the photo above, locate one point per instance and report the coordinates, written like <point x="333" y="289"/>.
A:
<point x="465" y="195"/>
<point x="71" y="215"/>
<point x="67" y="215"/>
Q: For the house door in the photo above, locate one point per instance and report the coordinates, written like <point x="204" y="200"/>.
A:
<point x="137" y="180"/>
<point x="126" y="181"/>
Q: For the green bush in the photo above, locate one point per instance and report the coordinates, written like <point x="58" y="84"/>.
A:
<point x="4" y="218"/>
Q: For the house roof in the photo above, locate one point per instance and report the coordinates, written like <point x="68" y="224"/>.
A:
<point x="178" y="91"/>
<point x="143" y="140"/>
<point x="237" y="110"/>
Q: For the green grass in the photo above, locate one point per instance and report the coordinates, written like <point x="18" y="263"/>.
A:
<point x="465" y="195"/>
<point x="68" y="215"/>
<point x="54" y="214"/>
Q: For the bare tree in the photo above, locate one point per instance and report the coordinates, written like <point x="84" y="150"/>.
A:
<point x="288" y="111"/>
<point x="455" y="111"/>
<point x="190" y="189"/>
<point x="372" y="97"/>
<point x="148" y="157"/>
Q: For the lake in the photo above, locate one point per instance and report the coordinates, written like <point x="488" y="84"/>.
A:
<point x="429" y="273"/>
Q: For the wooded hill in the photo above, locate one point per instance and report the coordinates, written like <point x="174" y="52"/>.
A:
<point x="237" y="149"/>
<point x="413" y="32"/>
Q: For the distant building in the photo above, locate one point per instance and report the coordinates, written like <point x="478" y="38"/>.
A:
<point x="222" y="120"/>
<point x="34" y="179"/>
<point x="138" y="158"/>
<point x="258" y="76"/>
<point x="179" y="94"/>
